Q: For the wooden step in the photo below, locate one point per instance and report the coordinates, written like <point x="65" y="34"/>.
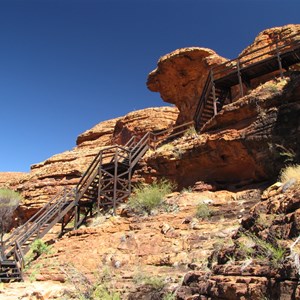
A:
<point x="8" y="263"/>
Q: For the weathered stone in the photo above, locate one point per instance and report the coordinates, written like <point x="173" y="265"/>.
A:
<point x="180" y="77"/>
<point x="238" y="146"/>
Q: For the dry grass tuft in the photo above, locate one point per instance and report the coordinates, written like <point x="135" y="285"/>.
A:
<point x="290" y="172"/>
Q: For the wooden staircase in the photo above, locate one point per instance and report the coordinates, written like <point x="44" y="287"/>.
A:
<point x="273" y="58"/>
<point x="106" y="182"/>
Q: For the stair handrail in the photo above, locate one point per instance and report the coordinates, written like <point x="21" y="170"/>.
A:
<point x="203" y="98"/>
<point x="144" y="138"/>
<point x="139" y="149"/>
<point x="36" y="216"/>
<point x="19" y="258"/>
<point x="35" y="226"/>
<point x="153" y="135"/>
<point x="90" y="170"/>
<point x="230" y="63"/>
<point x="279" y="45"/>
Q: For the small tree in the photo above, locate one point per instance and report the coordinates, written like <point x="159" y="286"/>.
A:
<point x="9" y="201"/>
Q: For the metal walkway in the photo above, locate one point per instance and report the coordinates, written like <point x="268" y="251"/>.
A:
<point x="278" y="56"/>
<point x="106" y="182"/>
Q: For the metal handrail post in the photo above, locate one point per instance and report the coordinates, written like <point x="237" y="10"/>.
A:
<point x="99" y="184"/>
<point x="240" y="78"/>
<point x="279" y="59"/>
<point x="115" y="182"/>
<point x="214" y="92"/>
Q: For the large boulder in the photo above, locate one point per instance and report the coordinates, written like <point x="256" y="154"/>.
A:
<point x="180" y="77"/>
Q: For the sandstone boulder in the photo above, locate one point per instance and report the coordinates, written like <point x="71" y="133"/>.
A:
<point x="180" y="77"/>
<point x="140" y="122"/>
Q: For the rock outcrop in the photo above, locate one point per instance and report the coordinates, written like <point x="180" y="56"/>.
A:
<point x="270" y="36"/>
<point x="263" y="261"/>
<point x="248" y="141"/>
<point x="7" y="177"/>
<point x="239" y="253"/>
<point x="180" y="77"/>
<point x="143" y="121"/>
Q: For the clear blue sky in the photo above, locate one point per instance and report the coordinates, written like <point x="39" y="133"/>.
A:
<point x="66" y="65"/>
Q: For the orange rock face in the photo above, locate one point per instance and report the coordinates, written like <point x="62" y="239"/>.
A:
<point x="159" y="245"/>
<point x="140" y="122"/>
<point x="7" y="177"/>
<point x="244" y="143"/>
<point x="180" y="77"/>
<point x="273" y="222"/>
<point x="270" y="36"/>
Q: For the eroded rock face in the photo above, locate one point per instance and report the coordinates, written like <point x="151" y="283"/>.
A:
<point x="63" y="170"/>
<point x="7" y="177"/>
<point x="180" y="77"/>
<point x="140" y="122"/>
<point x="249" y="140"/>
<point x="270" y="36"/>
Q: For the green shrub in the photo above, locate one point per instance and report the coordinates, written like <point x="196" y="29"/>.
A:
<point x="9" y="198"/>
<point x="288" y="154"/>
<point x="156" y="283"/>
<point x="169" y="296"/>
<point x="148" y="197"/>
<point x="37" y="248"/>
<point x="86" y="289"/>
<point x="290" y="172"/>
<point x="203" y="211"/>
<point x="271" y="87"/>
<point x="103" y="292"/>
<point x="263" y="250"/>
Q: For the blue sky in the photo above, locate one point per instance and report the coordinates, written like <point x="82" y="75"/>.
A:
<point x="66" y="65"/>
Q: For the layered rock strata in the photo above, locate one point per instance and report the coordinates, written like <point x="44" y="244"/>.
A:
<point x="162" y="245"/>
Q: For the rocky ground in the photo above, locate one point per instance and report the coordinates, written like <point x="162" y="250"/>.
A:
<point x="164" y="245"/>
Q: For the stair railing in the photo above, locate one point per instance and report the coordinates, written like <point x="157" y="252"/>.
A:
<point x="203" y="99"/>
<point x="19" y="258"/>
<point x="274" y="49"/>
<point x="50" y="217"/>
<point x="35" y="219"/>
<point x="281" y="45"/>
<point x="139" y="149"/>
